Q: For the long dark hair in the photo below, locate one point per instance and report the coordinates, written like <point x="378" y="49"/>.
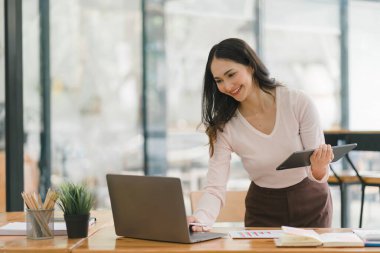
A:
<point x="218" y="108"/>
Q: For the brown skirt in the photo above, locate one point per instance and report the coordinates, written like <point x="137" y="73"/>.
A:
<point x="306" y="204"/>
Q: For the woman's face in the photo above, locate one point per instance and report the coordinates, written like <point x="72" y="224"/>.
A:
<point x="232" y="78"/>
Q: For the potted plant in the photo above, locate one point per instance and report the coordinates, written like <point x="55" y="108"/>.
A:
<point x="76" y="201"/>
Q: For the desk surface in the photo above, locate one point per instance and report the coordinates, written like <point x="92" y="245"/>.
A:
<point x="57" y="244"/>
<point x="105" y="240"/>
<point x="102" y="238"/>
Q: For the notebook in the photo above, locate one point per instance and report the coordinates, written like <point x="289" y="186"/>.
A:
<point x="152" y="208"/>
<point x="297" y="237"/>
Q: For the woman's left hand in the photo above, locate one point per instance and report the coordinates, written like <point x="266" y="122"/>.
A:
<point x="320" y="160"/>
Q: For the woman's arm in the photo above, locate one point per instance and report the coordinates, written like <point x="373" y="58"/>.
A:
<point x="217" y="176"/>
<point x="312" y="136"/>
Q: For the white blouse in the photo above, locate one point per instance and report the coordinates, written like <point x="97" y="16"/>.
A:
<point x="297" y="127"/>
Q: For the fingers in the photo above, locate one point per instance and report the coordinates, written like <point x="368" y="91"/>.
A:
<point x="200" y="229"/>
<point x="329" y="153"/>
<point x="323" y="153"/>
<point x="195" y="228"/>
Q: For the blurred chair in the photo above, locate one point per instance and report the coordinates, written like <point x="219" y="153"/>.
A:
<point x="367" y="141"/>
<point x="232" y="211"/>
<point x="367" y="178"/>
<point x="342" y="180"/>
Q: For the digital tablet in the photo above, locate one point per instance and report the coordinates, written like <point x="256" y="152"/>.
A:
<point x="302" y="158"/>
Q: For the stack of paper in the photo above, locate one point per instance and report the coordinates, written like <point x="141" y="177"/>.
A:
<point x="371" y="238"/>
<point x="19" y="228"/>
<point x="347" y="239"/>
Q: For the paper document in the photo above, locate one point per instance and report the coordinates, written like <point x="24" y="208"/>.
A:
<point x="371" y="237"/>
<point x="255" y="234"/>
<point x="368" y="234"/>
<point x="19" y="228"/>
<point x="347" y="239"/>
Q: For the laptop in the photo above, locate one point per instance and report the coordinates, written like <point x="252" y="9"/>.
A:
<point x="152" y="208"/>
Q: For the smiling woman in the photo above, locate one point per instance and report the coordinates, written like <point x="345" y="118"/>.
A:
<point x="247" y="112"/>
<point x="239" y="65"/>
<point x="231" y="76"/>
<point x="236" y="81"/>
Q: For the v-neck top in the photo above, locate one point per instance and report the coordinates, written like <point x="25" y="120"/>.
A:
<point x="297" y="127"/>
<point x="255" y="130"/>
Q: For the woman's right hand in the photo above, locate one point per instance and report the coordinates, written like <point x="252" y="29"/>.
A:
<point x="192" y="219"/>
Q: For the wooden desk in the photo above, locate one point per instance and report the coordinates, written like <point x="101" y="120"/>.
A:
<point x="105" y="240"/>
<point x="56" y="244"/>
<point x="11" y="216"/>
<point x="102" y="238"/>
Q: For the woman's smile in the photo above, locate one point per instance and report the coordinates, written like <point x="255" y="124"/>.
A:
<point x="236" y="91"/>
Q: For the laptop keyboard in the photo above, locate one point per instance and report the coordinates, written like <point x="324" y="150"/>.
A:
<point x="202" y="236"/>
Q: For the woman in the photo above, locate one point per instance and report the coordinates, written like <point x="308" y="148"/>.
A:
<point x="247" y="112"/>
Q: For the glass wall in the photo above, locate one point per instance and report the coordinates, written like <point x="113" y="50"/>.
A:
<point x="96" y="89"/>
<point x="32" y="93"/>
<point x="364" y="75"/>
<point x="191" y="29"/>
<point x="301" y="49"/>
<point x="364" y="89"/>
<point x="96" y="80"/>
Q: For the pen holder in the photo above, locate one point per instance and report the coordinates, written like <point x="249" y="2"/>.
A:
<point x="39" y="224"/>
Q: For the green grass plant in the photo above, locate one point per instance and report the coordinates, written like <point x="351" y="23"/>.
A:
<point x="75" y="199"/>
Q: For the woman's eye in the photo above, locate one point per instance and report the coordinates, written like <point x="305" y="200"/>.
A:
<point x="218" y="81"/>
<point x="231" y="75"/>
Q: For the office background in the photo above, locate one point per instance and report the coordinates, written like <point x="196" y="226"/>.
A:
<point x="114" y="86"/>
